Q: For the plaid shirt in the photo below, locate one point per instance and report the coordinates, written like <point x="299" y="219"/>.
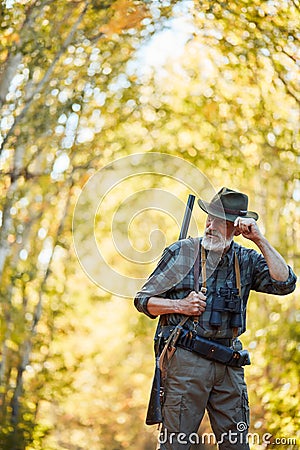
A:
<point x="173" y="278"/>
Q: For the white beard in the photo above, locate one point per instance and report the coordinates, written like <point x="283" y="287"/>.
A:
<point x="217" y="244"/>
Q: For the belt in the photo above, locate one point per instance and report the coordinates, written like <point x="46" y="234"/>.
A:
<point x="214" y="350"/>
<point x="167" y="329"/>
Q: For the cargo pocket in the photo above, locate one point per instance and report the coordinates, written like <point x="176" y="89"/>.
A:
<point x="172" y="412"/>
<point x="242" y="412"/>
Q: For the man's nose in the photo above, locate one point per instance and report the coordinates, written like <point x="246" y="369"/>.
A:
<point x="212" y="223"/>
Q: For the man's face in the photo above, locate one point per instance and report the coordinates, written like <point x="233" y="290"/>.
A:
<point x="218" y="234"/>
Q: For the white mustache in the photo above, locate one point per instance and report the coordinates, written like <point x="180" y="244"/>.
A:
<point x="213" y="233"/>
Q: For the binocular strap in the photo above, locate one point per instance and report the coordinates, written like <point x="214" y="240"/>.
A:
<point x="203" y="277"/>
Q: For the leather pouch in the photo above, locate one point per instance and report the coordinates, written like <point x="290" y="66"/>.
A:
<point x="212" y="350"/>
<point x="216" y="352"/>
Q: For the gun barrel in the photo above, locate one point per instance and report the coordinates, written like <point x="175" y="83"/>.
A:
<point x="187" y="217"/>
<point x="154" y="413"/>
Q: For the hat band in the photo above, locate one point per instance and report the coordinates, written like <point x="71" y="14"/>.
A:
<point x="237" y="212"/>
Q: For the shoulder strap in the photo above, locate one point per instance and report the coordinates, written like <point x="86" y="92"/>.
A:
<point x="203" y="267"/>
<point x="237" y="273"/>
<point x="197" y="267"/>
<point x="238" y="285"/>
<point x="196" y="275"/>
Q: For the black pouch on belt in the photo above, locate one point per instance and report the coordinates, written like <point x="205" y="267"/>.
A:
<point x="216" y="352"/>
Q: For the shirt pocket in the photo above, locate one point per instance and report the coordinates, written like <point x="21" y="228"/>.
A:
<point x="246" y="282"/>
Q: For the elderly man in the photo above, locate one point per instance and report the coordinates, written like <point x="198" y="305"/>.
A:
<point x="208" y="281"/>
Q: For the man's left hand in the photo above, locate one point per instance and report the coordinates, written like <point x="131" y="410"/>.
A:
<point x="248" y="228"/>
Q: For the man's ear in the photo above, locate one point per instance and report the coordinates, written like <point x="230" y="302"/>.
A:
<point x="237" y="232"/>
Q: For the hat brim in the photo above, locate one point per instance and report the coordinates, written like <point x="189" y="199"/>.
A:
<point x="222" y="214"/>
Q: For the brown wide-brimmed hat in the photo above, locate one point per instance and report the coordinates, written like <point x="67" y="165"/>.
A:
<point x="228" y="205"/>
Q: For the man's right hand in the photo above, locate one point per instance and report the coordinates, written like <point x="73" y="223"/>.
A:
<point x="193" y="305"/>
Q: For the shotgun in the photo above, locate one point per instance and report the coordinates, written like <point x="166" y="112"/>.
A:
<point x="154" y="413"/>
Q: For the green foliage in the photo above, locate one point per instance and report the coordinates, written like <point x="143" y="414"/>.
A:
<point x="79" y="88"/>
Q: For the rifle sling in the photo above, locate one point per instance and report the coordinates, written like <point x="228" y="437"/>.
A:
<point x="186" y="318"/>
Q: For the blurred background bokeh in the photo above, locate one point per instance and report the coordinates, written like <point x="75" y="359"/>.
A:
<point x="82" y="84"/>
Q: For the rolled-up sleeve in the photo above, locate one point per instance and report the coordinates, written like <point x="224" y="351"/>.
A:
<point x="141" y="305"/>
<point x="157" y="284"/>
<point x="263" y="282"/>
<point x="285" y="287"/>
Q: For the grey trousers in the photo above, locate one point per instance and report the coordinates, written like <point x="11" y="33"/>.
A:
<point x="195" y="384"/>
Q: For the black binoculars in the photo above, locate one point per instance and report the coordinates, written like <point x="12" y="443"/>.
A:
<point x="226" y="300"/>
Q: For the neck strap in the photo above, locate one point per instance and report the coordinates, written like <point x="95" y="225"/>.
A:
<point x="203" y="276"/>
<point x="203" y="270"/>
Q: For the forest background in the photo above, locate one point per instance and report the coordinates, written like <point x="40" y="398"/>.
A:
<point x="83" y="84"/>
